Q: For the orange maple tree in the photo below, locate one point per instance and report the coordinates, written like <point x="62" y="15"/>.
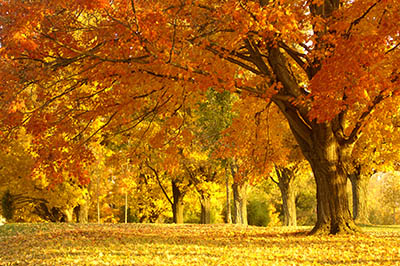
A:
<point x="74" y="68"/>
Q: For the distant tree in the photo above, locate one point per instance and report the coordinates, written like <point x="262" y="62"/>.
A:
<point x="391" y="192"/>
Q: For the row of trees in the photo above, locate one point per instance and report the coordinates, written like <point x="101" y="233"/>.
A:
<point x="106" y="200"/>
<point x="82" y="72"/>
<point x="132" y="174"/>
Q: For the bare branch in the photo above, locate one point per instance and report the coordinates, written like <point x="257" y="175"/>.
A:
<point x="393" y="48"/>
<point x="159" y="181"/>
<point x="234" y="61"/>
<point x="257" y="58"/>
<point x="358" y="20"/>
<point x="100" y="128"/>
<point x="297" y="57"/>
<point x="353" y="136"/>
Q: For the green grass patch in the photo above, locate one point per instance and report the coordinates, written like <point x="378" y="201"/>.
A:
<point x="381" y="228"/>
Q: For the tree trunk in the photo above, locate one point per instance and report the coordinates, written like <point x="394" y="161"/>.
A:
<point x="126" y="207"/>
<point x="205" y="217"/>
<point x="228" y="201"/>
<point x="333" y="213"/>
<point x="83" y="214"/>
<point x="239" y="203"/>
<point x="69" y="214"/>
<point x="359" y="185"/>
<point x="177" y="206"/>
<point x="327" y="158"/>
<point x="286" y="178"/>
<point x="98" y="199"/>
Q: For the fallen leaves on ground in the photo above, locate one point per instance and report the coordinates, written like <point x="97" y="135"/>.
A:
<point x="161" y="244"/>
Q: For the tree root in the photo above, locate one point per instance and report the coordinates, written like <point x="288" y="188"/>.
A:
<point x="342" y="228"/>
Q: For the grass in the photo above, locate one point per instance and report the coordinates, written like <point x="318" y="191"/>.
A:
<point x="157" y="244"/>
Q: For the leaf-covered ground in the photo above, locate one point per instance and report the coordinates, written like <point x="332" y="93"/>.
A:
<point x="150" y="244"/>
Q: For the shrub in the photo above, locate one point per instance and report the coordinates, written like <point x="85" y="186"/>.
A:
<point x="7" y="205"/>
<point x="131" y="216"/>
<point x="258" y="212"/>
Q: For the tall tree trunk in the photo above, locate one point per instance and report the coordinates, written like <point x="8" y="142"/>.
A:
<point x="69" y="214"/>
<point x="327" y="159"/>
<point x="359" y="185"/>
<point x="84" y="209"/>
<point x="333" y="214"/>
<point x="228" y="200"/>
<point x="205" y="201"/>
<point x="286" y="178"/>
<point x="239" y="203"/>
<point x="177" y="205"/>
<point x="126" y="207"/>
<point x="327" y="156"/>
<point x="98" y="198"/>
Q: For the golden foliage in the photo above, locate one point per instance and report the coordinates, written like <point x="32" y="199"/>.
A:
<point x="145" y="244"/>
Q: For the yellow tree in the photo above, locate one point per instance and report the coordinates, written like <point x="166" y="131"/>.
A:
<point x="391" y="192"/>
<point x="31" y="196"/>
<point x="376" y="151"/>
<point x="263" y="151"/>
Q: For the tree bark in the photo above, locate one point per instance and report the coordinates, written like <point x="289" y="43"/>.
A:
<point x="285" y="183"/>
<point x="177" y="205"/>
<point x="98" y="199"/>
<point x="205" y="216"/>
<point x="359" y="185"/>
<point x="83" y="214"/>
<point x="239" y="203"/>
<point x="327" y="158"/>
<point x="126" y="207"/>
<point x="228" y="201"/>
<point x="69" y="214"/>
<point x="327" y="152"/>
<point x="53" y="215"/>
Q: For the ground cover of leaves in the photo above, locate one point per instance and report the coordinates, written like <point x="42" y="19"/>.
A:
<point x="159" y="244"/>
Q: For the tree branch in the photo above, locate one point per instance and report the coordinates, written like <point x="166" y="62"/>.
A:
<point x="358" y="20"/>
<point x="234" y="61"/>
<point x="353" y="136"/>
<point x="159" y="182"/>
<point x="257" y="58"/>
<point x="297" y="57"/>
<point x="100" y="128"/>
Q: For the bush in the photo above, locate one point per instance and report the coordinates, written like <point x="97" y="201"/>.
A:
<point x="7" y="205"/>
<point x="193" y="216"/>
<point x="306" y="208"/>
<point x="131" y="217"/>
<point x="258" y="212"/>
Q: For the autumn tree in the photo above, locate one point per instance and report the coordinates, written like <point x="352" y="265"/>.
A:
<point x="138" y="163"/>
<point x="391" y="192"/>
<point x="212" y="116"/>
<point x="29" y="195"/>
<point x="261" y="140"/>
<point x="192" y="144"/>
<point x="375" y="151"/>
<point x="285" y="180"/>
<point x="328" y="65"/>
